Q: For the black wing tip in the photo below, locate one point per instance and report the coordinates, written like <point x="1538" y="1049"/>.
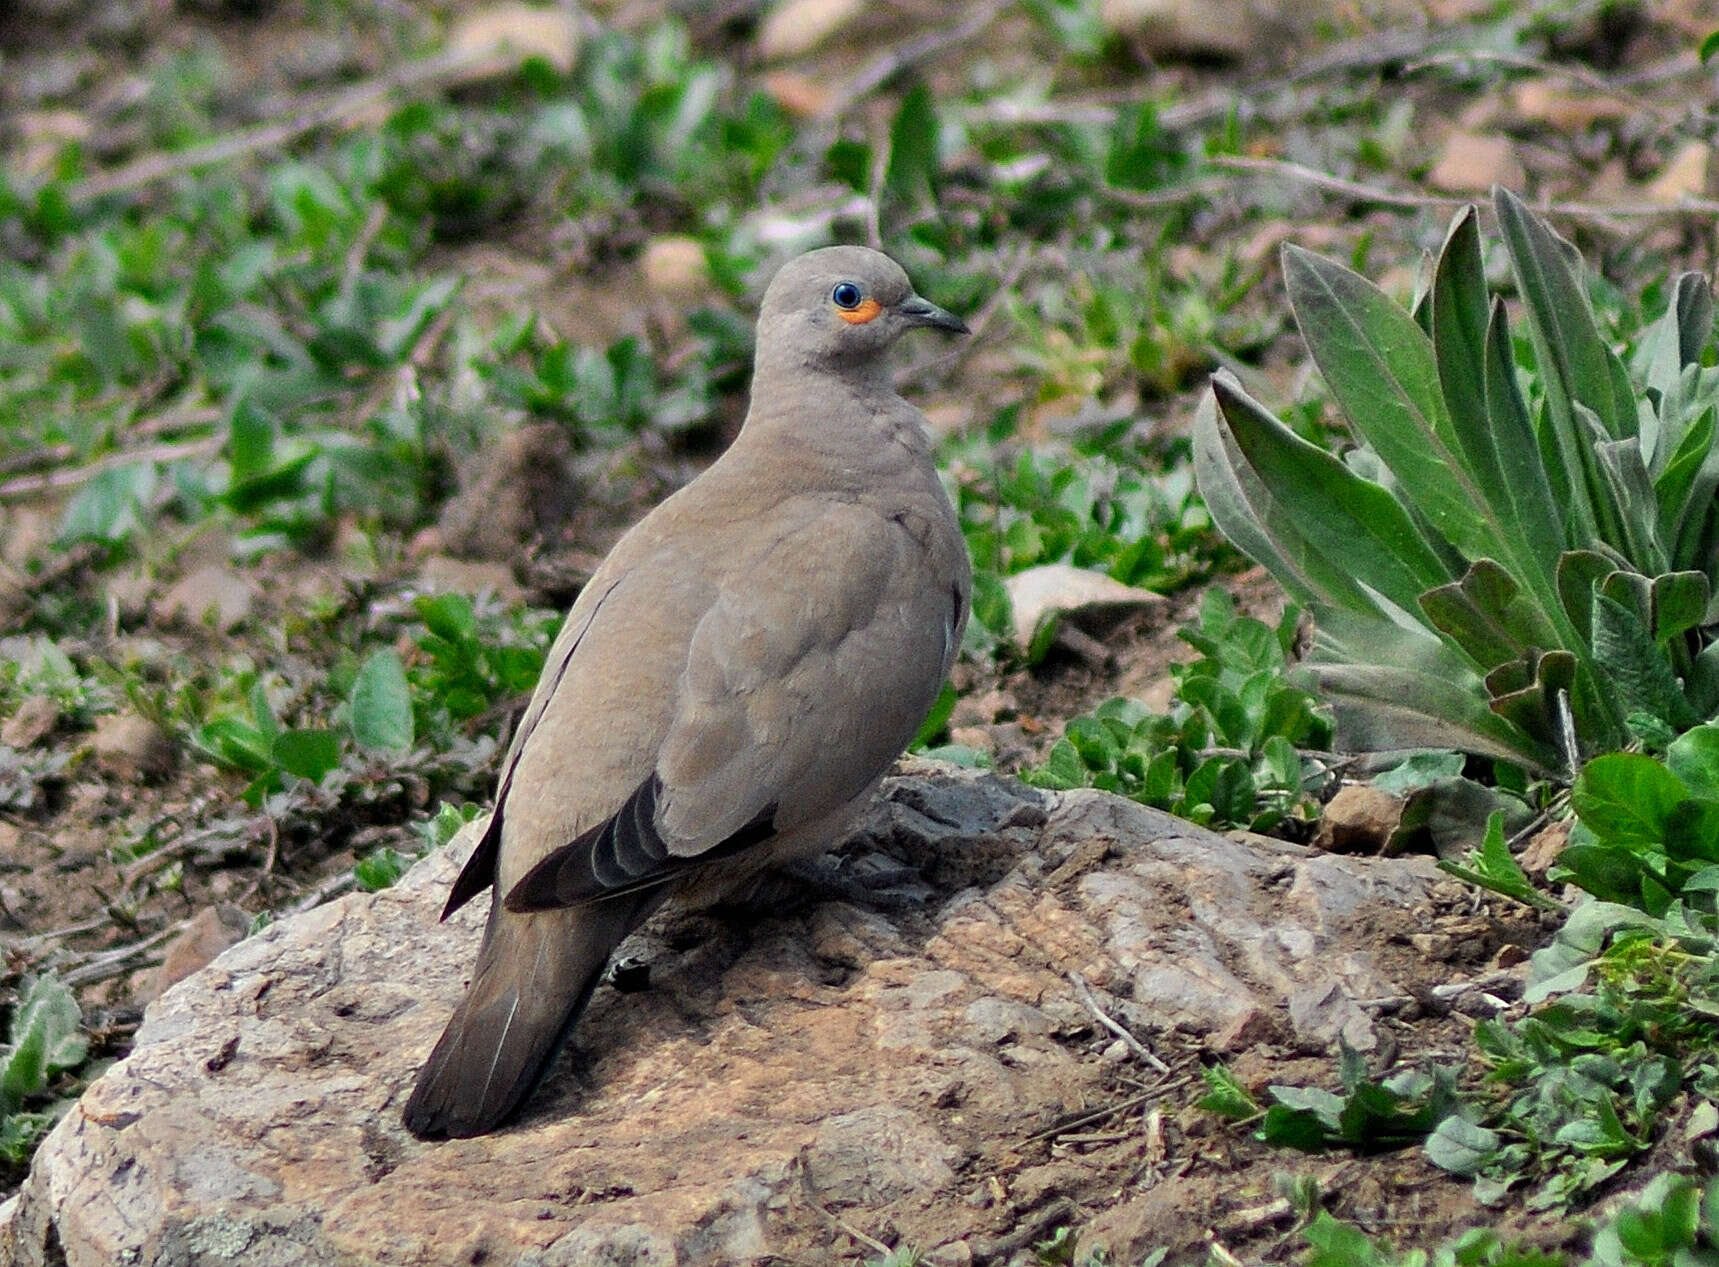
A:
<point x="479" y="872"/>
<point x="431" y="1124"/>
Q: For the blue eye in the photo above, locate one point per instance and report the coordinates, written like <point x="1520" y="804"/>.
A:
<point x="845" y="295"/>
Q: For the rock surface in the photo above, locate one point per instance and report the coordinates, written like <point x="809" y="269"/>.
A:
<point x="884" y="1064"/>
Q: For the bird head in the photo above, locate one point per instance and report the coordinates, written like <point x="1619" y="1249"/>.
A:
<point x="840" y="308"/>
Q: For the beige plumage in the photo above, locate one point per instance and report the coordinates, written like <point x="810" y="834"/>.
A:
<point x="729" y="687"/>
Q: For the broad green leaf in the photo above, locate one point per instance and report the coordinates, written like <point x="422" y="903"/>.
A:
<point x="381" y="703"/>
<point x="1702" y="684"/>
<point x="1626" y="798"/>
<point x="235" y="742"/>
<point x="1524" y="496"/>
<point x="1668" y="357"/>
<point x="1680" y="483"/>
<point x="1632" y="494"/>
<point x="914" y="140"/>
<point x="310" y="754"/>
<point x="1343" y="516"/>
<point x="1459" y="310"/>
<point x="380" y="869"/>
<point x="448" y="616"/>
<point x="1383" y="708"/>
<point x="1419" y="770"/>
<point x="1628" y="656"/>
<point x="1244" y="508"/>
<point x="1226" y="1096"/>
<point x="112" y="505"/>
<point x="1694" y="758"/>
<point x="46" y="1035"/>
<point x="250" y="441"/>
<point x="1527" y="690"/>
<point x="1380" y="367"/>
<point x="1575" y="364"/>
<point x="1679" y="603"/>
<point x="1462" y="1147"/>
<point x="1487" y="615"/>
<point x="1579" y="571"/>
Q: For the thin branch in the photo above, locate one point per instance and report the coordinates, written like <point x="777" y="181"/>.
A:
<point x="870" y="1242"/>
<point x="880" y="70"/>
<point x="1121" y="1031"/>
<point x="1280" y="168"/>
<point x="121" y="959"/>
<point x="171" y="423"/>
<point x="1593" y="211"/>
<point x="1571" y="71"/>
<point x="28" y="486"/>
<point x="344" y="108"/>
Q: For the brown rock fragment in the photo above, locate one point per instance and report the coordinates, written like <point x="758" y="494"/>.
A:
<point x="1473" y="164"/>
<point x="34" y="721"/>
<point x="213" y="595"/>
<point x="133" y="748"/>
<point x="209" y="932"/>
<point x="1359" y="819"/>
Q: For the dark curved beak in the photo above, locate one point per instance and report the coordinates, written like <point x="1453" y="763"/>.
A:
<point x="922" y="312"/>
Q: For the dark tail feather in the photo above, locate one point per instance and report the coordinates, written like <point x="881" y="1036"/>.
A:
<point x="534" y="977"/>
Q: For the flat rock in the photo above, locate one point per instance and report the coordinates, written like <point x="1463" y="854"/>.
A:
<point x="1092" y="601"/>
<point x="874" y="1061"/>
<point x="213" y="595"/>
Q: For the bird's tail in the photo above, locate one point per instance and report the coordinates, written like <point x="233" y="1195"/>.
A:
<point x="534" y="977"/>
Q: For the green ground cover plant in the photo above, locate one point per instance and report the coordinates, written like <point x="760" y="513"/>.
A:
<point x="1230" y="752"/>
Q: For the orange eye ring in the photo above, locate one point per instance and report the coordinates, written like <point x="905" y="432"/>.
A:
<point x="866" y="310"/>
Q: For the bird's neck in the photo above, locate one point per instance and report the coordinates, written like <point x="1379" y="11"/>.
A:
<point x="851" y="420"/>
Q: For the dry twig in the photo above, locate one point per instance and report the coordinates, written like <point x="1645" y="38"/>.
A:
<point x="1121" y="1031"/>
<point x="344" y="108"/>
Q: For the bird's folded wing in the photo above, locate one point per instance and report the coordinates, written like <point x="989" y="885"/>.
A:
<point x="479" y="872"/>
<point x="802" y="683"/>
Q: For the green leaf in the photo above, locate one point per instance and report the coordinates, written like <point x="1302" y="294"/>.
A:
<point x="1533" y="492"/>
<point x="1679" y="603"/>
<point x="937" y="720"/>
<point x="1627" y="654"/>
<point x="1419" y="770"/>
<point x="1381" y="708"/>
<point x="1576" y="366"/>
<point x="380" y="869"/>
<point x="1380" y="367"/>
<point x="1634" y="508"/>
<point x="1461" y="1147"/>
<point x="1693" y="758"/>
<point x="1494" y="867"/>
<point x="234" y="742"/>
<point x="914" y="139"/>
<point x="1301" y="1129"/>
<point x="1226" y="1096"/>
<point x="310" y="754"/>
<point x="1626" y="798"/>
<point x="449" y="616"/>
<point x="1142" y="154"/>
<point x="112" y="505"/>
<point x="1340" y="514"/>
<point x="1487" y="615"/>
<point x="250" y="440"/>
<point x="381" y="703"/>
<point x="1243" y="505"/>
<point x="1683" y="489"/>
<point x="46" y="1036"/>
